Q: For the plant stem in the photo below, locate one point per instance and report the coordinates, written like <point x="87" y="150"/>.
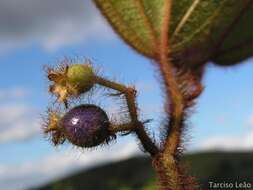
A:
<point x="138" y="127"/>
<point x="121" y="127"/>
<point x="166" y="163"/>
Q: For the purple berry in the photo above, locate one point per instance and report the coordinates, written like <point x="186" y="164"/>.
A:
<point x="86" y="125"/>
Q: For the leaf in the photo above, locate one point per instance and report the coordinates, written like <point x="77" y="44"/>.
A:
<point x="136" y="21"/>
<point x="210" y="28"/>
<point x="199" y="31"/>
<point x="239" y="43"/>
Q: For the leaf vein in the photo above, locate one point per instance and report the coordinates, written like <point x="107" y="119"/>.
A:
<point x="185" y="18"/>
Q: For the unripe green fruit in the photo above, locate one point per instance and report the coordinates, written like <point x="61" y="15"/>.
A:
<point x="81" y="76"/>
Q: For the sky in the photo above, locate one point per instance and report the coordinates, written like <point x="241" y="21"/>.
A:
<point x="36" y="33"/>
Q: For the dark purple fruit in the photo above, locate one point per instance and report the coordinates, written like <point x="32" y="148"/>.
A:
<point x="86" y="125"/>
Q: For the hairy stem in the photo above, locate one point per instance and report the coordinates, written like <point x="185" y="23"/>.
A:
<point x="121" y="127"/>
<point x="166" y="163"/>
<point x="138" y="127"/>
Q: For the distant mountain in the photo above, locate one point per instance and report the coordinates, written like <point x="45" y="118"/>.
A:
<point x="137" y="174"/>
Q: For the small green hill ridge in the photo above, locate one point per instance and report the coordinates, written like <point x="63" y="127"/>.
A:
<point x="136" y="173"/>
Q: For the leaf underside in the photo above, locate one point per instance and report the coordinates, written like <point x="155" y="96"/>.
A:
<point x="199" y="31"/>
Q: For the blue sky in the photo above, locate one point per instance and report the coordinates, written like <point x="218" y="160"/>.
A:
<point x="223" y="117"/>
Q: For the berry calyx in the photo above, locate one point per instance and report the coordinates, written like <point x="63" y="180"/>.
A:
<point x="52" y="128"/>
<point x="86" y="126"/>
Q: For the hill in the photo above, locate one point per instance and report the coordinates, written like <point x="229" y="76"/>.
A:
<point x="136" y="173"/>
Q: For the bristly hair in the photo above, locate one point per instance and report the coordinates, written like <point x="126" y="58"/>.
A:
<point x="190" y="88"/>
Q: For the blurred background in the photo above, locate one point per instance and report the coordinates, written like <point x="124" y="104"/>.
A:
<point x="35" y="33"/>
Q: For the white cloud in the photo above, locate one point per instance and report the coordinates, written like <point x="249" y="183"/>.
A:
<point x="50" y="24"/>
<point x="18" y="122"/>
<point x="35" y="173"/>
<point x="145" y="86"/>
<point x="13" y="93"/>
<point x="229" y="143"/>
<point x="249" y="121"/>
<point x="225" y="142"/>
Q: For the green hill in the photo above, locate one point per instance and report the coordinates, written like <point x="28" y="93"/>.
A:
<point x="137" y="174"/>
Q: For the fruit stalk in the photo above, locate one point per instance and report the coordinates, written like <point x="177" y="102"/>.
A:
<point x="138" y="127"/>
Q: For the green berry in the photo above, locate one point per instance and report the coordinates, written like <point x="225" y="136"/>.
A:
<point x="81" y="76"/>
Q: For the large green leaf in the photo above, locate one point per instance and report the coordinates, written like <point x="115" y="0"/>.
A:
<point x="239" y="42"/>
<point x="200" y="30"/>
<point x="136" y="21"/>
